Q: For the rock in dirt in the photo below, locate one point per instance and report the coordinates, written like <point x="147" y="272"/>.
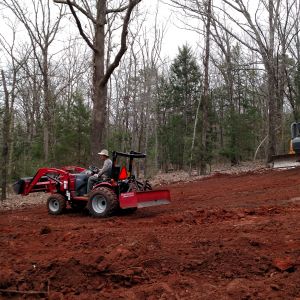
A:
<point x="275" y="287"/>
<point x="45" y="230"/>
<point x="117" y="254"/>
<point x="56" y="296"/>
<point x="284" y="264"/>
<point x="237" y="288"/>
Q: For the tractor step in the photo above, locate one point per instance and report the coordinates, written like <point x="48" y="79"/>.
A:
<point x="144" y="199"/>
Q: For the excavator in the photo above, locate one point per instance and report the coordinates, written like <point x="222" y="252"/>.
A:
<point x="292" y="159"/>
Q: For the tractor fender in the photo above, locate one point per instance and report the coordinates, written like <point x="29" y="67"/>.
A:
<point x="104" y="184"/>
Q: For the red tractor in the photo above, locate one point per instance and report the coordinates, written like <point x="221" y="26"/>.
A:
<point x="68" y="185"/>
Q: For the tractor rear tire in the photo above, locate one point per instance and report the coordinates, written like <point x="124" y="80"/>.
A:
<point x="56" y="204"/>
<point x="103" y="202"/>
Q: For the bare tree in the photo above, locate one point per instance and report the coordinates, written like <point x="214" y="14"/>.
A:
<point x="101" y="74"/>
<point x="288" y="62"/>
<point x="9" y="84"/>
<point x="30" y="93"/>
<point x="201" y="12"/>
<point x="265" y="46"/>
<point x="261" y="37"/>
<point x="6" y="132"/>
<point x="205" y="96"/>
<point x="42" y="28"/>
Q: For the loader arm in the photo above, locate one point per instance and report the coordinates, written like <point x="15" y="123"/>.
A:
<point x="35" y="185"/>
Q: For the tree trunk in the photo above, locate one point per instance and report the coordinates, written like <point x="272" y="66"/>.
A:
<point x="194" y="136"/>
<point x="98" y="121"/>
<point x="205" y="98"/>
<point x="272" y="116"/>
<point x="272" y="101"/>
<point x="100" y="90"/>
<point x="6" y="139"/>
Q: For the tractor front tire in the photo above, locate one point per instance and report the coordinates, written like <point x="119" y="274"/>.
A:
<point x="56" y="204"/>
<point x="103" y="202"/>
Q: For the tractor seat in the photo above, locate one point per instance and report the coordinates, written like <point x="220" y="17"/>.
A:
<point x="115" y="171"/>
<point x="81" y="180"/>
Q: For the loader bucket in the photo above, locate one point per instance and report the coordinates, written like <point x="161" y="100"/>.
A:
<point x="144" y="199"/>
<point x="19" y="186"/>
<point x="285" y="161"/>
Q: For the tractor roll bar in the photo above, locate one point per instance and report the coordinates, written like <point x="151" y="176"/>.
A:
<point x="131" y="154"/>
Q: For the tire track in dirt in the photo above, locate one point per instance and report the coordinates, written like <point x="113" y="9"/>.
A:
<point x="223" y="237"/>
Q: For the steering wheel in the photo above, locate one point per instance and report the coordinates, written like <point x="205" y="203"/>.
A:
<point x="94" y="169"/>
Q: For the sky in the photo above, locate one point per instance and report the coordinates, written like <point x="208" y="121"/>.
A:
<point x="175" y="35"/>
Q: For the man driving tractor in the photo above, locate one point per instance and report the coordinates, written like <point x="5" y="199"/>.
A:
<point x="103" y="173"/>
<point x="119" y="190"/>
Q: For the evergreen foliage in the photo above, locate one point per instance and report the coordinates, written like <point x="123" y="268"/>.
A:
<point x="178" y="99"/>
<point x="72" y="131"/>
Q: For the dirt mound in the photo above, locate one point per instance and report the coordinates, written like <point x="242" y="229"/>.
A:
<point x="216" y="170"/>
<point x="223" y="237"/>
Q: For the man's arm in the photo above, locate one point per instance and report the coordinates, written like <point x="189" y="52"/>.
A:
<point x="106" y="169"/>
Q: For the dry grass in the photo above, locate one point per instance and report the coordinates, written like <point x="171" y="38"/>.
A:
<point x="182" y="176"/>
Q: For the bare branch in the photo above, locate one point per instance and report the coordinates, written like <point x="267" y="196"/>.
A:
<point x="123" y="47"/>
<point x="73" y="3"/>
<point x="80" y="27"/>
<point x="117" y="10"/>
<point x="257" y="25"/>
<point x="233" y="6"/>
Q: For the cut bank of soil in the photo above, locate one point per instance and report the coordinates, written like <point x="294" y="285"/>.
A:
<point x="223" y="237"/>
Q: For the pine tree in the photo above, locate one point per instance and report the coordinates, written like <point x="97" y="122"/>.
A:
<point x="179" y="103"/>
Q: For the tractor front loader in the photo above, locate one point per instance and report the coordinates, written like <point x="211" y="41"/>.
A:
<point x="68" y="186"/>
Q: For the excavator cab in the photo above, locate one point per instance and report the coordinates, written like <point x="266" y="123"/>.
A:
<point x="295" y="141"/>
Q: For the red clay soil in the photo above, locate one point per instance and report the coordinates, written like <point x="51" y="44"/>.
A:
<point x="224" y="237"/>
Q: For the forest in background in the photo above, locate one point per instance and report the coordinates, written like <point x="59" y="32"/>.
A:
<point x="231" y="98"/>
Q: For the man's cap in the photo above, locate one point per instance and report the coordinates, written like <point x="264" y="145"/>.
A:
<point x="103" y="152"/>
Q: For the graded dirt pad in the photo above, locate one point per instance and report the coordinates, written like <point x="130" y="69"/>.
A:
<point x="223" y="237"/>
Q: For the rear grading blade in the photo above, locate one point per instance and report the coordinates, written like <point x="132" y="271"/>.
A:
<point x="144" y="199"/>
<point x="285" y="161"/>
